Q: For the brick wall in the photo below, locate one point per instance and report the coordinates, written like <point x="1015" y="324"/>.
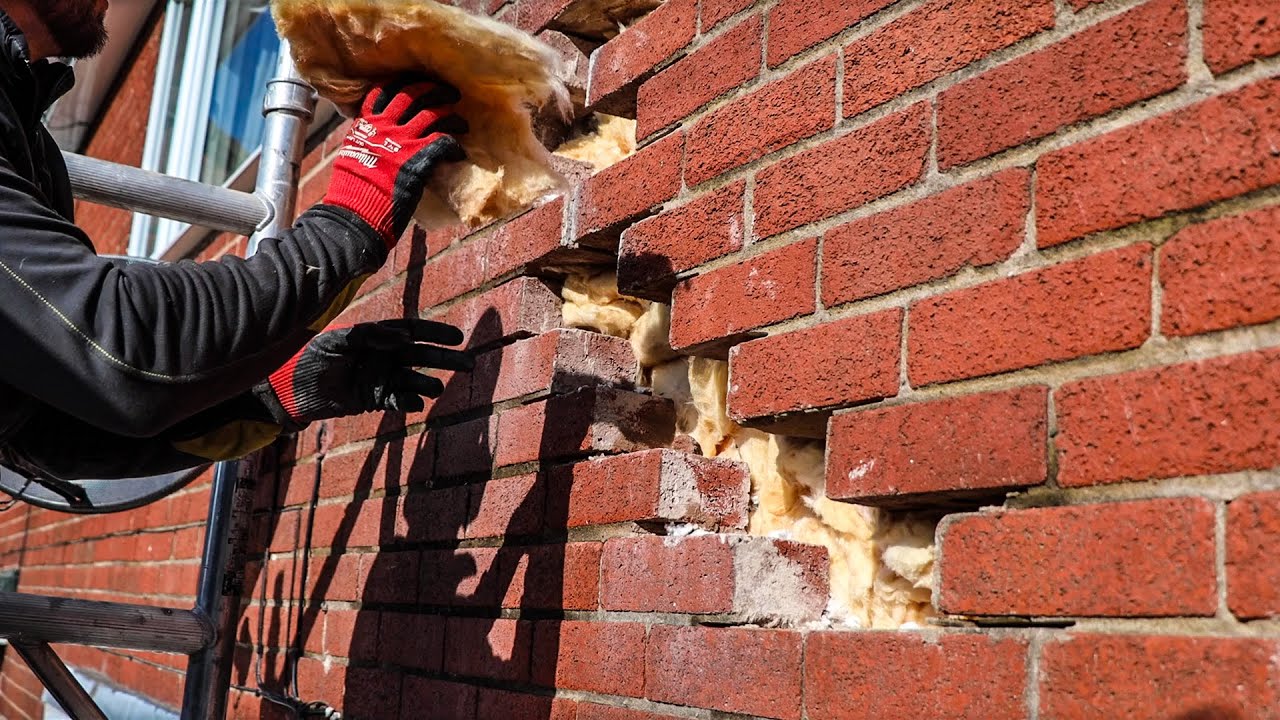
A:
<point x="1008" y="264"/>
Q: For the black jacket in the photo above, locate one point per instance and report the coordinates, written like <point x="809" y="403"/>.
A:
<point x="108" y="370"/>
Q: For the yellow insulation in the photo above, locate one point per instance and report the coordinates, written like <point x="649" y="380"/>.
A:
<point x="505" y="75"/>
<point x="605" y="141"/>
<point x="881" y="561"/>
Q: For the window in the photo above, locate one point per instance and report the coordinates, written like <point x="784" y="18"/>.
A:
<point x="216" y="57"/>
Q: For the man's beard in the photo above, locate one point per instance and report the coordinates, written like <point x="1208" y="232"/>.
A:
<point x="76" y="26"/>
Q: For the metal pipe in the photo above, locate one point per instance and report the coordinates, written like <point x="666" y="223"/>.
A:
<point x="289" y="107"/>
<point x="36" y="618"/>
<point x="131" y="188"/>
<point x="59" y="681"/>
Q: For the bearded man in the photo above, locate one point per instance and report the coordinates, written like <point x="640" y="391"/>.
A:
<point x="111" y="369"/>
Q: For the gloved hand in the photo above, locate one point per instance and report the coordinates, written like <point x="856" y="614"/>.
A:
<point x="363" y="368"/>
<point x="403" y="130"/>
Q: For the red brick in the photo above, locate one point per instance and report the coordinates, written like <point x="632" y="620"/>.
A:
<point x="593" y="420"/>
<point x="799" y="105"/>
<point x="795" y="25"/>
<point x="654" y="250"/>
<point x="519" y="706"/>
<point x="626" y="60"/>
<point x="726" y="304"/>
<point x="624" y="192"/>
<point x="1193" y="419"/>
<point x="1116" y="63"/>
<point x="530" y="238"/>
<point x="517" y="309"/>
<point x="658" y="485"/>
<point x="467" y="448"/>
<point x="510" y="506"/>
<point x="758" y="579"/>
<point x="721" y="65"/>
<point x="847" y="362"/>
<point x="461" y="577"/>
<point x="859" y="676"/>
<point x="1159" y="677"/>
<point x="1222" y="274"/>
<point x="1152" y="558"/>
<point x="931" y="42"/>
<point x="956" y="446"/>
<point x="1129" y="175"/>
<point x="975" y="224"/>
<point x="591" y="711"/>
<point x="390" y="577"/>
<point x="372" y="693"/>
<point x="1253" y="578"/>
<point x="1239" y="31"/>
<point x="715" y="12"/>
<point x="490" y="648"/>
<point x="413" y="641"/>
<point x="756" y="672"/>
<point x="844" y="173"/>
<point x="453" y="273"/>
<point x="552" y="577"/>
<point x="454" y="701"/>
<point x="1098" y="304"/>
<point x="599" y="657"/>
<point x="535" y="15"/>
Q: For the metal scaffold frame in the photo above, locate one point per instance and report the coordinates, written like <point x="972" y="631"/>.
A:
<point x="206" y="633"/>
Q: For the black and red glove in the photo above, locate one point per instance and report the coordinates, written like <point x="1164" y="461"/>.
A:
<point x="403" y="130"/>
<point x="363" y="368"/>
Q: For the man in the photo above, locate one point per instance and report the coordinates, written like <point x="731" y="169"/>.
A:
<point x="114" y="370"/>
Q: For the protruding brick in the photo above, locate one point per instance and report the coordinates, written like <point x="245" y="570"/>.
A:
<point x="602" y="657"/>
<point x="714" y="69"/>
<point x="937" y="39"/>
<point x="719" y="307"/>
<point x="1198" y="418"/>
<point x="625" y="192"/>
<point x="797" y="106"/>
<point x="654" y="250"/>
<point x="953" y="448"/>
<point x="846" y="362"/>
<point x="1127" y="176"/>
<point x="518" y="309"/>
<point x="1157" y="676"/>
<point x="1152" y="558"/>
<point x="1239" y="31"/>
<point x="1116" y="63"/>
<point x="593" y="420"/>
<point x="531" y="239"/>
<point x="795" y="25"/>
<point x="1222" y="274"/>
<point x="975" y="224"/>
<point x="1253" y="577"/>
<point x="620" y="65"/>
<point x="1098" y="304"/>
<point x="653" y="486"/>
<point x="756" y="672"/>
<point x="759" y="580"/>
<point x="859" y="676"/>
<point x="844" y="173"/>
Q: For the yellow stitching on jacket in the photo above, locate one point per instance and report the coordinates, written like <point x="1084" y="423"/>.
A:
<point x="67" y="321"/>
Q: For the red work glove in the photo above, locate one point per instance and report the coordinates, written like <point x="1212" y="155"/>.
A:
<point x="402" y="131"/>
<point x="363" y="368"/>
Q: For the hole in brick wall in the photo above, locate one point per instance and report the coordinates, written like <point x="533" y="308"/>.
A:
<point x="601" y="20"/>
<point x="881" y="561"/>
<point x="600" y="141"/>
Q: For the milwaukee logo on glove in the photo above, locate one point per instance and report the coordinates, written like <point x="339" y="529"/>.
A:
<point x="362" y="151"/>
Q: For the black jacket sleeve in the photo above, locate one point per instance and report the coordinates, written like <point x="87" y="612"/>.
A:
<point x="137" y="349"/>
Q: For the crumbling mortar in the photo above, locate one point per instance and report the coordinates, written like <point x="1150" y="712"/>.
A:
<point x="1197" y="69"/>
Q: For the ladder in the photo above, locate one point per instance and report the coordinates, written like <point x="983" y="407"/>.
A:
<point x="205" y="633"/>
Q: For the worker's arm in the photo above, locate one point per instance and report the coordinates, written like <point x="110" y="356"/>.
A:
<point x="342" y="372"/>
<point x="135" y="350"/>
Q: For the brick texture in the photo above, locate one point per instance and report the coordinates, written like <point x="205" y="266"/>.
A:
<point x="747" y="671"/>
<point x="620" y="64"/>
<point x="961" y="446"/>
<point x="1098" y="304"/>
<point x="1239" y="31"/>
<point x="798" y="24"/>
<point x="1253" y="582"/>
<point x="1151" y="558"/>
<point x="1118" y="428"/>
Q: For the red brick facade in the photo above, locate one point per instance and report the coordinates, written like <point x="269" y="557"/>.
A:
<point x="1014" y="260"/>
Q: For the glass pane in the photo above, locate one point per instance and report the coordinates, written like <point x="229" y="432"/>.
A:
<point x="246" y="60"/>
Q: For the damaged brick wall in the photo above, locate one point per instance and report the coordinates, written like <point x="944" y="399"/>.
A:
<point x="978" y="296"/>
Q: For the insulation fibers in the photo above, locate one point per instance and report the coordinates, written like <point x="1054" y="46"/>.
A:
<point x="505" y="75"/>
<point x="881" y="562"/>
<point x="606" y="141"/>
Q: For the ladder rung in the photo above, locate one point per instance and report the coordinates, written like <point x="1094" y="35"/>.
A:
<point x="38" y="618"/>
<point x="62" y="685"/>
<point x="131" y="188"/>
